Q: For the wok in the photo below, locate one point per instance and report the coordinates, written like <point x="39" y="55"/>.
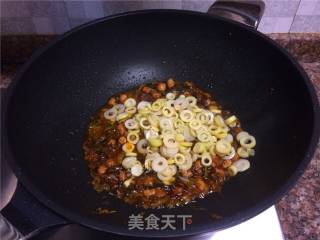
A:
<point x="49" y="105"/>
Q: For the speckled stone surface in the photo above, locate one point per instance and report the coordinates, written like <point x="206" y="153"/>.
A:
<point x="299" y="209"/>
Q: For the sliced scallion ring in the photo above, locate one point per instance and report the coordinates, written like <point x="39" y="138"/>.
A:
<point x="179" y="159"/>
<point x="131" y="110"/>
<point x="122" y="116"/>
<point x="248" y="142"/>
<point x="119" y="107"/>
<point x="206" y="159"/>
<point x="168" y="152"/>
<point x="142" y="146"/>
<point x="170" y="141"/>
<point x="186" y="115"/>
<point x="178" y="123"/>
<point x="130" y="102"/>
<point x="131" y="124"/>
<point x="168" y="111"/>
<point x="133" y="137"/>
<point x="166" y="123"/>
<point x="188" y="162"/>
<point x="156" y="106"/>
<point x="204" y="136"/>
<point x="170" y="171"/>
<point x="180" y="104"/>
<point x="165" y="180"/>
<point x="110" y="114"/>
<point x="220" y="133"/>
<point x="195" y="124"/>
<point x="243" y="152"/>
<point x="144" y="104"/>
<point x="144" y="123"/>
<point x="241" y="135"/>
<point x="231" y="121"/>
<point x="202" y="117"/>
<point x="199" y="147"/>
<point x="159" y="164"/>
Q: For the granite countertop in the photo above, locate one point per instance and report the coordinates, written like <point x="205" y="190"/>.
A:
<point x="299" y="209"/>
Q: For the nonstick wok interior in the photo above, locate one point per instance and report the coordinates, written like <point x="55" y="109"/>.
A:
<point x="51" y="105"/>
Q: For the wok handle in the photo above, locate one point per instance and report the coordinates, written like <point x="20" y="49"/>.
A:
<point x="25" y="216"/>
<point x="243" y="11"/>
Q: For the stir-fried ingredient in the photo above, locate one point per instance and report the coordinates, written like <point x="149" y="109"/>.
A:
<point x="165" y="144"/>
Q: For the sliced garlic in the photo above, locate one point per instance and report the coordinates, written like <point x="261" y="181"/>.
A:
<point x="137" y="170"/>
<point x="168" y="152"/>
<point x="129" y="162"/>
<point x="242" y="165"/>
<point x="170" y="96"/>
<point x="223" y="147"/>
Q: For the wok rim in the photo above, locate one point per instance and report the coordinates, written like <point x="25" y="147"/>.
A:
<point x="227" y="222"/>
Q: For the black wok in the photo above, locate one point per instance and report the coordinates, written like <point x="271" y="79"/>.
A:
<point x="50" y="103"/>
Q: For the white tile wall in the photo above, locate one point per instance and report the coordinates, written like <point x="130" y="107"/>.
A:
<point x="58" y="16"/>
<point x="93" y="9"/>
<point x="307" y="18"/>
